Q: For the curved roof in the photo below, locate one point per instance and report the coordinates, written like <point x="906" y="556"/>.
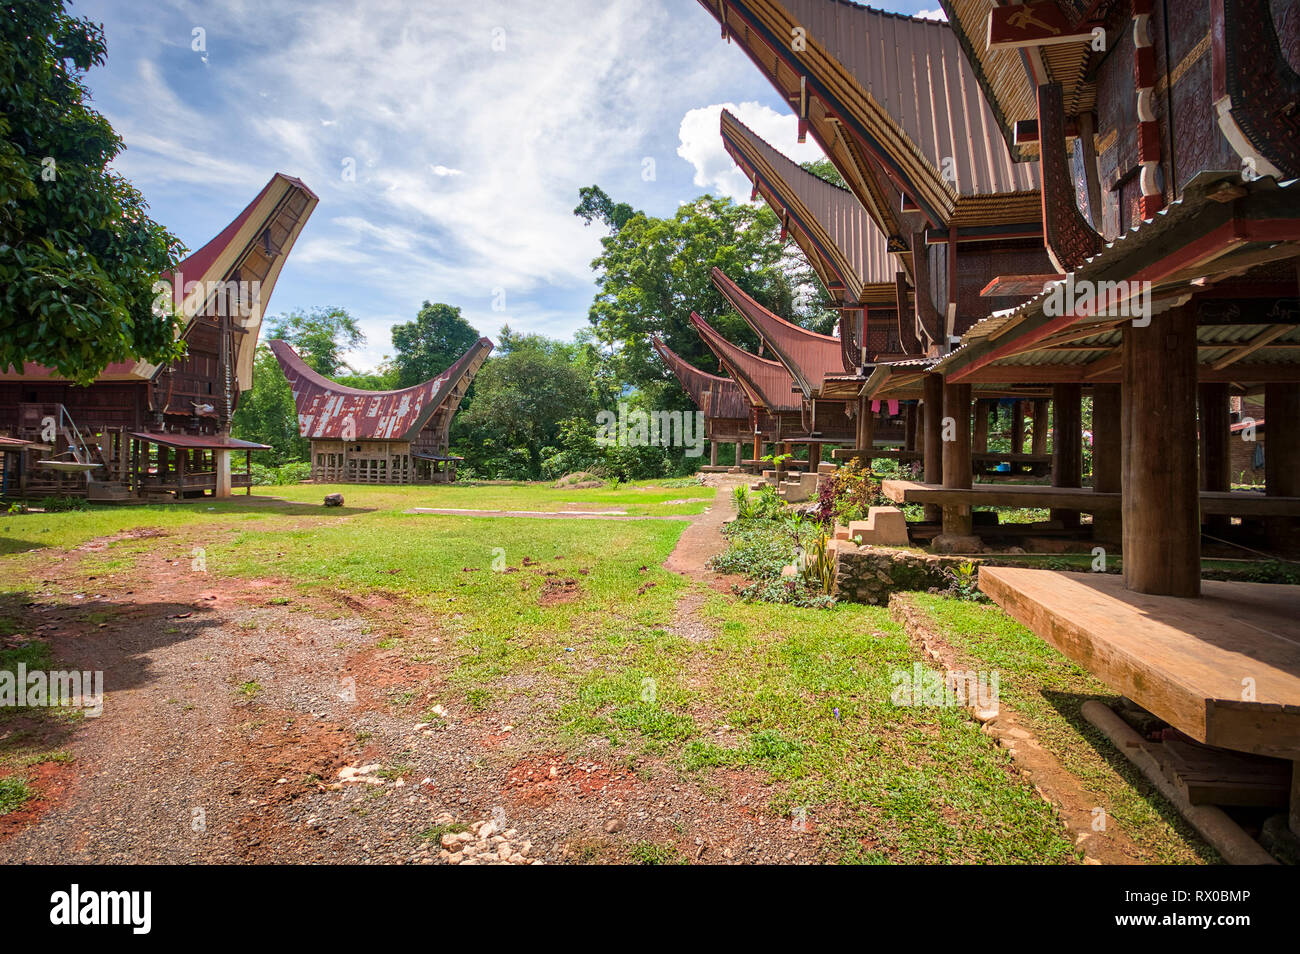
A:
<point x="766" y="384"/>
<point x="329" y="411"/>
<point x="252" y="248"/>
<point x="716" y="396"/>
<point x="900" y="86"/>
<point x="807" y="355"/>
<point x="829" y="223"/>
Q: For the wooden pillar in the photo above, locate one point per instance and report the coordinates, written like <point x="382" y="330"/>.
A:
<point x="1106" y="463"/>
<point x="1067" y="444"/>
<point x="740" y="454"/>
<point x="866" y="431"/>
<point x="814" y="457"/>
<point x="758" y="448"/>
<point x="1161" y="510"/>
<point x="1017" y="429"/>
<point x="1282" y="456"/>
<point x="1216" y="466"/>
<point x="909" y="425"/>
<point x="1038" y="415"/>
<point x="980" y="439"/>
<point x="221" y="465"/>
<point x="713" y="453"/>
<point x="957" y="520"/>
<point x="932" y="391"/>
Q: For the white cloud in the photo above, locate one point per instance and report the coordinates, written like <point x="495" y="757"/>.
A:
<point x="932" y="14"/>
<point x="701" y="144"/>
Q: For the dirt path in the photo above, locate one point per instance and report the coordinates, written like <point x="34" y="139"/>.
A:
<point x="244" y="722"/>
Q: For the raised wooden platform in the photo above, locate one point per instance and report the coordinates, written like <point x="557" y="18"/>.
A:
<point x="884" y="453"/>
<point x="1236" y="503"/>
<point x="1223" y="669"/>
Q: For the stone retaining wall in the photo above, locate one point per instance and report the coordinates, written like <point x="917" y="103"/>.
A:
<point x="870" y="574"/>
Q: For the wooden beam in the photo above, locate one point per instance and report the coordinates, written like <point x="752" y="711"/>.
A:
<point x="1216" y="464"/>
<point x="1270" y="333"/>
<point x="957" y="519"/>
<point x="1034" y="24"/>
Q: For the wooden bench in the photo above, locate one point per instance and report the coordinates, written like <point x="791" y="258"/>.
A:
<point x="1223" y="669"/>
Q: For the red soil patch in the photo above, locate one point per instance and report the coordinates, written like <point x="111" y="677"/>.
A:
<point x="48" y="782"/>
<point x="543" y="780"/>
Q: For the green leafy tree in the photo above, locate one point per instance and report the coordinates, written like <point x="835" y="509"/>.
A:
<point x="825" y="169"/>
<point x="78" y="255"/>
<point x="320" y="336"/>
<point x="653" y="272"/>
<point x="522" y="397"/>
<point x="266" y="412"/>
<point x="429" y="345"/>
<point x="595" y="205"/>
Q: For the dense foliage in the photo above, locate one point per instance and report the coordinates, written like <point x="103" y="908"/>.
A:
<point x="79" y="257"/>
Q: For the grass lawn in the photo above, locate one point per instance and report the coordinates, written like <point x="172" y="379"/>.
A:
<point x="567" y="628"/>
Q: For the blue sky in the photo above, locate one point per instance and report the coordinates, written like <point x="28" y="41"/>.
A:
<point x="470" y="126"/>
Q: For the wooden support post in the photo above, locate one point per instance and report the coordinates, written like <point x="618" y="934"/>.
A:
<point x="909" y="425"/>
<point x="1216" y="466"/>
<point x="713" y="453"/>
<point x="1282" y="456"/>
<point x="866" y="431"/>
<point x="740" y="445"/>
<point x="1161" y="506"/>
<point x="1017" y="428"/>
<point x="980" y="439"/>
<point x="1038" y="416"/>
<point x="814" y="457"/>
<point x="1106" y="462"/>
<point x="957" y="520"/>
<point x="1067" y="444"/>
<point x="932" y="452"/>
<point x="758" y="449"/>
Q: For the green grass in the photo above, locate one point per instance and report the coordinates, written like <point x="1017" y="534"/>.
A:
<point x="803" y="697"/>
<point x="14" y="793"/>
<point x="1047" y="691"/>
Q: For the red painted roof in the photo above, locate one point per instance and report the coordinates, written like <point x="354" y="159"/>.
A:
<point x="808" y="356"/>
<point x="767" y="384"/>
<point x="716" y="396"/>
<point x="325" y="409"/>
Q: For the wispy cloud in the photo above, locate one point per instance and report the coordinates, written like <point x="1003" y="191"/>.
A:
<point x="715" y="170"/>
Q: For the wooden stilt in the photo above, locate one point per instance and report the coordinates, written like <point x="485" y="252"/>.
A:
<point x="866" y="431"/>
<point x="1067" y="444"/>
<point x="1215" y="463"/>
<point x="932" y="391"/>
<point x="957" y="520"/>
<point x="713" y="453"/>
<point x="980" y="439"/>
<point x="1106" y="454"/>
<point x="909" y="425"/>
<point x="1018" y="427"/>
<point x="1038" y="415"/>
<point x="1282" y="456"/>
<point x="1162" y="533"/>
<point x="814" y="456"/>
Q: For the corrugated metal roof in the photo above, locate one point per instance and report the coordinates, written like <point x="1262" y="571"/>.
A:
<point x="916" y="74"/>
<point x="767" y="384"/>
<point x="808" y="356"/>
<point x="829" y="221"/>
<point x="1188" y="218"/>
<point x="716" y="396"/>
<point x="332" y="411"/>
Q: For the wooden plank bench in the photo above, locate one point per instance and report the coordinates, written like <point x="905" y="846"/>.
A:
<point x="1223" y="669"/>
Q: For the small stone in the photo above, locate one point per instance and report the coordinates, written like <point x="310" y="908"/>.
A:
<point x="614" y="825"/>
<point x="334" y="500"/>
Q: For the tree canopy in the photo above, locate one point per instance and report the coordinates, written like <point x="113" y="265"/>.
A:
<point x="653" y="272"/>
<point x="79" y="257"/>
<point x="429" y="345"/>
<point x="320" y="336"/>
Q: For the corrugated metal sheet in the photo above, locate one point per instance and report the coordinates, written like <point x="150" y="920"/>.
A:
<point x="331" y="411"/>
<point x="827" y="213"/>
<point x="808" y="356"/>
<point x="767" y="384"/>
<point x="917" y="74"/>
<point x="716" y="396"/>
